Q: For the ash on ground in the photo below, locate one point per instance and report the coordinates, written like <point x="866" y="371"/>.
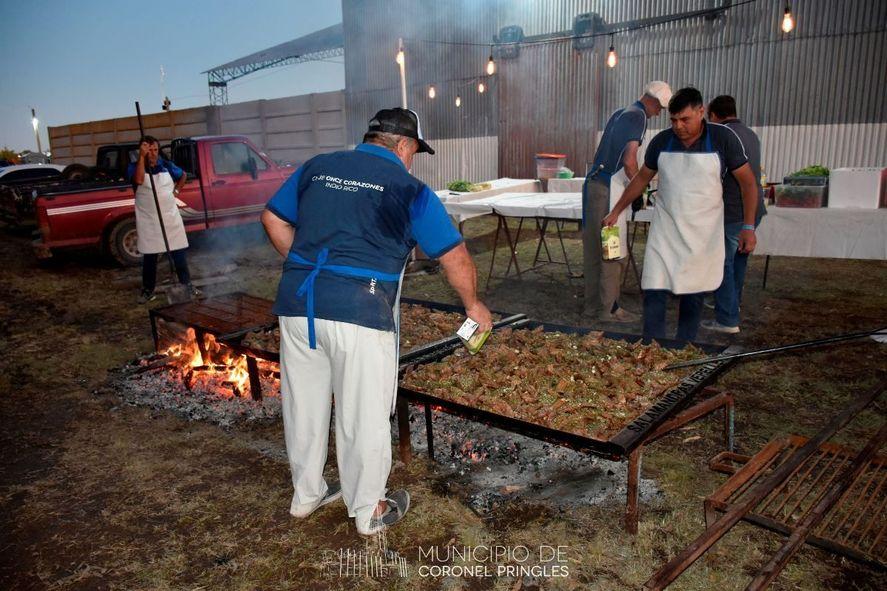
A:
<point x="495" y="467"/>
<point x="209" y="398"/>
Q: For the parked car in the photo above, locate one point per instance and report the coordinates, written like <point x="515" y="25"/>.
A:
<point x="19" y="173"/>
<point x="229" y="182"/>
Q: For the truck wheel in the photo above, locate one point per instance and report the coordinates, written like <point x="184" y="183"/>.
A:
<point x="122" y="243"/>
<point x="77" y="172"/>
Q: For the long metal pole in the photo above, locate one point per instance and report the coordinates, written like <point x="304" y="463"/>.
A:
<point x="403" y="74"/>
<point x="780" y="349"/>
<point x="36" y="130"/>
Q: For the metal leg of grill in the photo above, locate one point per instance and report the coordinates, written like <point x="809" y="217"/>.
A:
<point x="403" y="430"/>
<point x="255" y="382"/>
<point x="429" y="431"/>
<point x="631" y="505"/>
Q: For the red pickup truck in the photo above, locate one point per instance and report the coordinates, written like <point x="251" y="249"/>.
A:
<point x="229" y="182"/>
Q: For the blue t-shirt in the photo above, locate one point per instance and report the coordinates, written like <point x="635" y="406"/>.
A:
<point x="369" y="212"/>
<point x="162" y="165"/>
<point x="724" y="142"/>
<point x="625" y="125"/>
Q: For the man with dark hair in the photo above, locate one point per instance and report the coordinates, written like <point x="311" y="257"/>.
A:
<point x="685" y="249"/>
<point x="168" y="182"/>
<point x="346" y="222"/>
<point x="615" y="163"/>
<point x="722" y="109"/>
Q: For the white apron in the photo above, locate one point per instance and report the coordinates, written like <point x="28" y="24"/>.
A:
<point x="685" y="249"/>
<point x="618" y="182"/>
<point x="150" y="239"/>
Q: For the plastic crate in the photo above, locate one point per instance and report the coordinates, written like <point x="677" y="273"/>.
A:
<point x="806" y="181"/>
<point x="801" y="196"/>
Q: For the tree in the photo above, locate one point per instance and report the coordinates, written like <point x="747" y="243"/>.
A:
<point x="8" y="155"/>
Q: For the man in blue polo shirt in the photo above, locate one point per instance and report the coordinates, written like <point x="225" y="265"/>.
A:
<point x="346" y="223"/>
<point x="150" y="227"/>
<point x="615" y="163"/>
<point x="684" y="255"/>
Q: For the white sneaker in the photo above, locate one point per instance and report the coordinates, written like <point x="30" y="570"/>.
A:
<point x="397" y="505"/>
<point x="716" y="326"/>
<point x="333" y="493"/>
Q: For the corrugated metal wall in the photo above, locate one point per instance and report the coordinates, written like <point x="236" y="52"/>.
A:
<point x="289" y="129"/>
<point x="472" y="158"/>
<point x="372" y="80"/>
<point x="817" y="95"/>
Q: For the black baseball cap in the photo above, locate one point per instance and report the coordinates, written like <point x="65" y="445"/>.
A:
<point x="400" y="121"/>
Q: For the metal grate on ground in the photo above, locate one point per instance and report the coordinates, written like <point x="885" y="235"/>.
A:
<point x="856" y="527"/>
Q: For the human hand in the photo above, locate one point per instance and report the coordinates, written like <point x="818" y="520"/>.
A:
<point x="480" y="314"/>
<point x="747" y="241"/>
<point x="144" y="147"/>
<point x="610" y="219"/>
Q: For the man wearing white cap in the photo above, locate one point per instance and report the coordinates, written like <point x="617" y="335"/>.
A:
<point x="615" y="163"/>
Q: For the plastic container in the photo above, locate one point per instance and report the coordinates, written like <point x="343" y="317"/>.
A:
<point x="855" y="188"/>
<point x="801" y="196"/>
<point x="548" y="165"/>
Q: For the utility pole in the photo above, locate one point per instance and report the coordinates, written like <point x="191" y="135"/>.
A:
<point x="35" y="122"/>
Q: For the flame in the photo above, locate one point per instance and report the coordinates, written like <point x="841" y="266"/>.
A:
<point x="221" y="363"/>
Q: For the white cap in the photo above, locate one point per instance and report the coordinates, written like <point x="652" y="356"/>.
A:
<point x="659" y="90"/>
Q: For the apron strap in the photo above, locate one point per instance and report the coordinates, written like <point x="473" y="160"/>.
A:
<point x="306" y="289"/>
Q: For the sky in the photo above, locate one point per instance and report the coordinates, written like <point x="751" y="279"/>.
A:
<point x="83" y="60"/>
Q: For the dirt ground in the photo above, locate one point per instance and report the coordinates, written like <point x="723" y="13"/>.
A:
<point x="96" y="494"/>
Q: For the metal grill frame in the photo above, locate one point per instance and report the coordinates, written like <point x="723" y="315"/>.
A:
<point x="836" y="458"/>
<point x="617" y="448"/>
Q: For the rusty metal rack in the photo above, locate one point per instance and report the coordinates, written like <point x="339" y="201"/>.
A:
<point x="222" y="317"/>
<point x="855" y="527"/>
<point x="652" y="424"/>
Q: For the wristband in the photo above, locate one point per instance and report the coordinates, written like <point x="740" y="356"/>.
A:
<point x="748" y="227"/>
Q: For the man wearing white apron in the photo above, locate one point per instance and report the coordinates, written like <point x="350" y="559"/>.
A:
<point x="346" y="223"/>
<point x="168" y="182"/>
<point x="685" y="249"/>
<point x="615" y="162"/>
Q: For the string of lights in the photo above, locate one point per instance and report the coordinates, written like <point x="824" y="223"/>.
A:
<point x="787" y="25"/>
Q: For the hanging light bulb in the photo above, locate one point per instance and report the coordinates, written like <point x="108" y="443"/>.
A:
<point x="431" y="92"/>
<point x="400" y="58"/>
<point x="481" y="88"/>
<point x="491" y="65"/>
<point x="458" y="101"/>
<point x="611" y="55"/>
<point x="788" y="22"/>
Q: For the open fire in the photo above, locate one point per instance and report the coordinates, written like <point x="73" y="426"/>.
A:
<point x="208" y="363"/>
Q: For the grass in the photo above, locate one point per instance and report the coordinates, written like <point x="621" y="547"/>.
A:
<point x="96" y="494"/>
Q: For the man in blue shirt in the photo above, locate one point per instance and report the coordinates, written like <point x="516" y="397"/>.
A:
<point x="722" y="109"/>
<point x="684" y="255"/>
<point x="615" y="163"/>
<point x="346" y="223"/>
<point x="154" y="233"/>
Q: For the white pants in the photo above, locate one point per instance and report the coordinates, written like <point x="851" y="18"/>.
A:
<point x="358" y="364"/>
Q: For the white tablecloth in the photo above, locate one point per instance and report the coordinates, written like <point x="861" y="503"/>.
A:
<point x="565" y="206"/>
<point x="561" y="205"/>
<point x="823" y="233"/>
<point x="572" y="185"/>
